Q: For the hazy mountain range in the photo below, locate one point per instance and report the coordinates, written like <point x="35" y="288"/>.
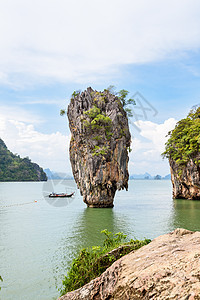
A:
<point x="149" y="176"/>
<point x="145" y="176"/>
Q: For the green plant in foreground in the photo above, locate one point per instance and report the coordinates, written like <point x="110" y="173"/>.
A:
<point x="91" y="262"/>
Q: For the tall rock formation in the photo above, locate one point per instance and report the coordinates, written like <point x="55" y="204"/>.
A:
<point x="183" y="152"/>
<point x="187" y="184"/>
<point x="100" y="140"/>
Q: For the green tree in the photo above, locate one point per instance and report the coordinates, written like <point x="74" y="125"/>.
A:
<point x="184" y="140"/>
<point x="122" y="95"/>
<point x="126" y="102"/>
<point x="14" y="168"/>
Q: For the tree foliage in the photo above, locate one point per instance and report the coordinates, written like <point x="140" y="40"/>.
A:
<point x="184" y="141"/>
<point x="97" y="119"/>
<point x="15" y="168"/>
<point x="122" y="95"/>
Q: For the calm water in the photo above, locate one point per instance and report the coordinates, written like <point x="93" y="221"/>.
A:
<point x="38" y="239"/>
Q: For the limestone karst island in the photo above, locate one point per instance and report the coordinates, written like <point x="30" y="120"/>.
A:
<point x="183" y="152"/>
<point x="100" y="140"/>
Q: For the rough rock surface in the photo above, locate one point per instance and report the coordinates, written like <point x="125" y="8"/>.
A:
<point x="100" y="138"/>
<point x="186" y="185"/>
<point x="167" y="268"/>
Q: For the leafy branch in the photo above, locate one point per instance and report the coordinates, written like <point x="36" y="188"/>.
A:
<point x="184" y="141"/>
<point x="91" y="262"/>
<point x="122" y="95"/>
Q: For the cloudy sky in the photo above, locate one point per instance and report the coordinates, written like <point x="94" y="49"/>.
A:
<point x="49" y="48"/>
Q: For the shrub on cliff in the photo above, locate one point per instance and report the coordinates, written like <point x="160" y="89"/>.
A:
<point x="92" y="262"/>
<point x="122" y="95"/>
<point x="1" y="279"/>
<point x="184" y="141"/>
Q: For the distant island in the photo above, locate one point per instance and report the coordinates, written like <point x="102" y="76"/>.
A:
<point x="15" y="168"/>
<point x="147" y="176"/>
<point x="52" y="175"/>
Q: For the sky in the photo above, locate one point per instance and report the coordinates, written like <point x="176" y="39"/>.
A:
<point x="49" y="48"/>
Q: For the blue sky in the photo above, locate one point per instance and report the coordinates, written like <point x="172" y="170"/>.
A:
<point x="51" y="48"/>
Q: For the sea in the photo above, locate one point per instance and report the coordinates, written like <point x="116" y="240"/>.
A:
<point x="39" y="236"/>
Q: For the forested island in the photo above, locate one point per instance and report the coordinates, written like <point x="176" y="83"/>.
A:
<point x="183" y="151"/>
<point x="15" y="168"/>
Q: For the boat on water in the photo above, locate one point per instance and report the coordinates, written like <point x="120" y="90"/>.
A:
<point x="60" y="195"/>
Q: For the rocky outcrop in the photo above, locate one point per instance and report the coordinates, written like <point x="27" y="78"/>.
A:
<point x="167" y="268"/>
<point x="99" y="144"/>
<point x="185" y="181"/>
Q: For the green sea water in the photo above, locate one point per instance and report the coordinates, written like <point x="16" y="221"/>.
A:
<point x="39" y="235"/>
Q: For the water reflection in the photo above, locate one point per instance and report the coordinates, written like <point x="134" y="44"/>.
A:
<point x="86" y="232"/>
<point x="92" y="221"/>
<point x="186" y="214"/>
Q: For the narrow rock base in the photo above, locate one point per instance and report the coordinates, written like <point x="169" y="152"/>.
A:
<point x="186" y="186"/>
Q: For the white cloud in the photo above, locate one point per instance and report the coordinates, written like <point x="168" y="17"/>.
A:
<point x="34" y="101"/>
<point x="19" y="114"/>
<point x="157" y="132"/>
<point x="48" y="150"/>
<point x="148" y="146"/>
<point x="85" y="40"/>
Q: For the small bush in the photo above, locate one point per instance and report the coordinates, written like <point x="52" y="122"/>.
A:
<point x="92" y="262"/>
<point x="100" y="150"/>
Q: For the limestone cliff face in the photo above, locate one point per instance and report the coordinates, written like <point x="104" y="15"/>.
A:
<point x="100" y="138"/>
<point x="186" y="185"/>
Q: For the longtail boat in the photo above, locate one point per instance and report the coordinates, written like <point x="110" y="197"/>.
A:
<point x="61" y="195"/>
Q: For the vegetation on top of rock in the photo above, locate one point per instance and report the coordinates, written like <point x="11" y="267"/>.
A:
<point x="92" y="262"/>
<point x="122" y="96"/>
<point x="15" y="168"/>
<point x="183" y="144"/>
<point x="97" y="119"/>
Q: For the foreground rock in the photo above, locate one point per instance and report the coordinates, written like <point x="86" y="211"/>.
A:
<point x="186" y="185"/>
<point x="100" y="138"/>
<point x="167" y="268"/>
